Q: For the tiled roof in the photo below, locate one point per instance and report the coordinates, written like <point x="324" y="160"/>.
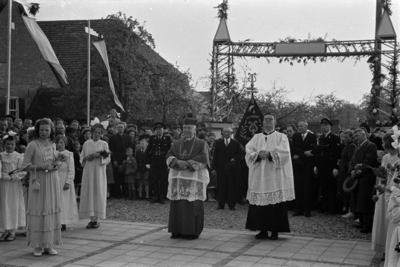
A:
<point x="69" y="41"/>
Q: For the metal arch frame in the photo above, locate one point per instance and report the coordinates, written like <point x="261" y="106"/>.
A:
<point x="225" y="51"/>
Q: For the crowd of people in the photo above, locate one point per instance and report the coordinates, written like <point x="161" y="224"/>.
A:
<point x="54" y="173"/>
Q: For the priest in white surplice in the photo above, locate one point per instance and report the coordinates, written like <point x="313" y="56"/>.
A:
<point x="270" y="181"/>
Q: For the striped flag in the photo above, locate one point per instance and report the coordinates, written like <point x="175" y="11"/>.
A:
<point x="44" y="46"/>
<point x="101" y="47"/>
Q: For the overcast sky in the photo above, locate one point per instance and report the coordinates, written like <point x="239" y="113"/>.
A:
<point x="184" y="32"/>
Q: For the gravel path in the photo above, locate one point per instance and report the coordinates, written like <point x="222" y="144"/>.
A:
<point x="321" y="225"/>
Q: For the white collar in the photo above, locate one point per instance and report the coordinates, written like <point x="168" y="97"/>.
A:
<point x="363" y="142"/>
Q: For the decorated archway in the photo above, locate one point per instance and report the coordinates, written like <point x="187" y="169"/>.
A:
<point x="381" y="52"/>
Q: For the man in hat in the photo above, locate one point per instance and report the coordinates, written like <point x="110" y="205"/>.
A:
<point x="327" y="167"/>
<point x="156" y="151"/>
<point x="270" y="181"/>
<point x="226" y="167"/>
<point x="188" y="179"/>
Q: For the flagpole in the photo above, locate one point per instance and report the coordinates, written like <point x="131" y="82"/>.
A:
<point x="88" y="77"/>
<point x="9" y="58"/>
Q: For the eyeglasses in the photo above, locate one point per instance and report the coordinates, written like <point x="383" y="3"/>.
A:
<point x="268" y="119"/>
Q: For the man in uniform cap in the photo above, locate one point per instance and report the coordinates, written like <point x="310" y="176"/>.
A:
<point x="156" y="151"/>
<point x="327" y="166"/>
<point x="188" y="179"/>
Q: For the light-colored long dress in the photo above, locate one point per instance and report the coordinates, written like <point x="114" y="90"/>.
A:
<point x="43" y="216"/>
<point x="69" y="207"/>
<point x="94" y="181"/>
<point x="12" y="204"/>
<point x="380" y="224"/>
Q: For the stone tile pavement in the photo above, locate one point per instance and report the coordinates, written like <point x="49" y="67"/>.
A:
<point x="127" y="244"/>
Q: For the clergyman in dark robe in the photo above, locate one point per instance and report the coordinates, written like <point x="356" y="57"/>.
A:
<point x="187" y="183"/>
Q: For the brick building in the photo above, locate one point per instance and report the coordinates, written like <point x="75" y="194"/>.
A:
<point x="35" y="85"/>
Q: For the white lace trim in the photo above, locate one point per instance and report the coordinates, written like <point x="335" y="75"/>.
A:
<point x="270" y="198"/>
<point x="190" y="199"/>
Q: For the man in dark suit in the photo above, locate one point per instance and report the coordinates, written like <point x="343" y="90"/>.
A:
<point x="118" y="145"/>
<point x="142" y="175"/>
<point x="156" y="151"/>
<point x="372" y="137"/>
<point x="364" y="154"/>
<point x="327" y="166"/>
<point x="226" y="166"/>
<point x="304" y="142"/>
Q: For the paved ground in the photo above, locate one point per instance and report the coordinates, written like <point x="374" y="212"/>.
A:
<point x="126" y="244"/>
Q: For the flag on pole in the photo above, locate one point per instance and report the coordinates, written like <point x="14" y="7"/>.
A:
<point x="101" y="47"/>
<point x="251" y="123"/>
<point x="44" y="46"/>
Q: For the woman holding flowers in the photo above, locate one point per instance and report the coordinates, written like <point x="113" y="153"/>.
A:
<point x="12" y="207"/>
<point x="94" y="158"/>
<point x="383" y="174"/>
<point x="69" y="207"/>
<point x="43" y="213"/>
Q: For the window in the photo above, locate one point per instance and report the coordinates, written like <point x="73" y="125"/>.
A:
<point x="14" y="106"/>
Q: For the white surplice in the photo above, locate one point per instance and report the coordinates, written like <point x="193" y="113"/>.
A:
<point x="270" y="182"/>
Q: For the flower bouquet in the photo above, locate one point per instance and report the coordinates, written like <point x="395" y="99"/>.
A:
<point x="104" y="154"/>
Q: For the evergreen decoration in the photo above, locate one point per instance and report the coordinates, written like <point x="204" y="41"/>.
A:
<point x="223" y="10"/>
<point x="34" y="9"/>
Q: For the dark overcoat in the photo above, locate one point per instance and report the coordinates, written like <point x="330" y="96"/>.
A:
<point x="365" y="154"/>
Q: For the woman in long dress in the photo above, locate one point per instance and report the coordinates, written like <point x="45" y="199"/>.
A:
<point x="69" y="207"/>
<point x="43" y="216"/>
<point x="380" y="224"/>
<point x="94" y="157"/>
<point x="12" y="204"/>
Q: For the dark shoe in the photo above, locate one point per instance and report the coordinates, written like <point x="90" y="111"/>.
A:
<point x="274" y="236"/>
<point x="241" y="202"/>
<point x="154" y="200"/>
<point x="192" y="237"/>
<point x="10" y="237"/>
<point x="323" y="210"/>
<point x="63" y="227"/>
<point x="332" y="211"/>
<point x="233" y="208"/>
<point x="96" y="225"/>
<point x="357" y="226"/>
<point x="219" y="208"/>
<point x="262" y="235"/>
<point x="140" y="198"/>
<point x="4" y="236"/>
<point x="176" y="235"/>
<point x="161" y="201"/>
<point x="89" y="225"/>
<point x="365" y="231"/>
<point x="308" y="215"/>
<point x="298" y="214"/>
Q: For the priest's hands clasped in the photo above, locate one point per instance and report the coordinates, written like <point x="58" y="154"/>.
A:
<point x="263" y="154"/>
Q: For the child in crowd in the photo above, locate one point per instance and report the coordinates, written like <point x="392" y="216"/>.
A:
<point x="143" y="172"/>
<point x="130" y="168"/>
<point x="12" y="204"/>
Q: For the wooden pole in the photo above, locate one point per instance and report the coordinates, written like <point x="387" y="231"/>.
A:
<point x="10" y="2"/>
<point x="88" y="77"/>
<point x="378" y="48"/>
